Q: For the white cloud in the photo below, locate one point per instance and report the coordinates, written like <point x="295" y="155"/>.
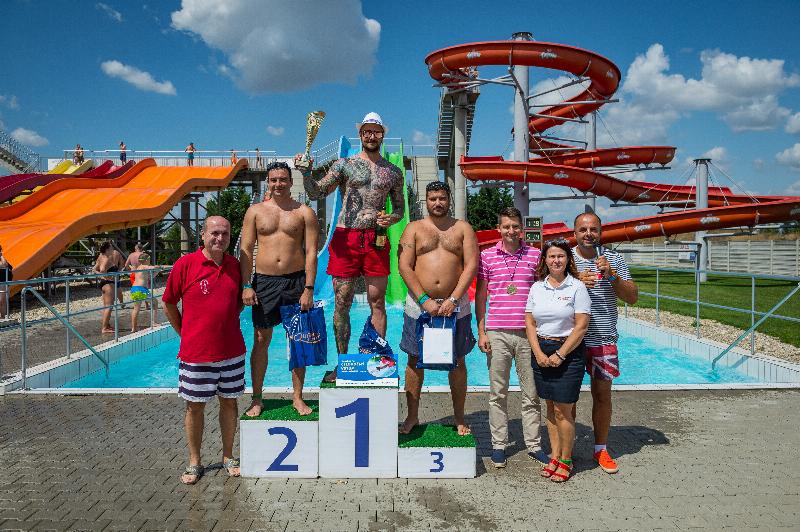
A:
<point x="790" y="157"/>
<point x="29" y="137"/>
<point x="793" y="124"/>
<point x="275" y="131"/>
<point x="138" y="78"/>
<point x="290" y="46"/>
<point x="110" y="11"/>
<point x="9" y="101"/>
<point x="742" y="91"/>
<point x="557" y="96"/>
<point x="418" y="137"/>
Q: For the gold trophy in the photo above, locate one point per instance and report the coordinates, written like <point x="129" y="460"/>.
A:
<point x="313" y="122"/>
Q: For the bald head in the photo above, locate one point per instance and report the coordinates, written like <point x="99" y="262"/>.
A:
<point x="216" y="234"/>
<point x="587" y="231"/>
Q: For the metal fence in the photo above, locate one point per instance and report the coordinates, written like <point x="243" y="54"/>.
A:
<point x="699" y="303"/>
<point x="62" y="309"/>
<point x="767" y="257"/>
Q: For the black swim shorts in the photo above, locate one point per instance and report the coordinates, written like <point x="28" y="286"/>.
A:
<point x="274" y="291"/>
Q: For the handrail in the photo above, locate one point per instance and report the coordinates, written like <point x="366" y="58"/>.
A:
<point x="755" y="325"/>
<point x="19" y="150"/>
<point x="67" y="324"/>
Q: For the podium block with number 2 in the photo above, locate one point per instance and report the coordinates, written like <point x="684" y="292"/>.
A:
<point x="358" y="432"/>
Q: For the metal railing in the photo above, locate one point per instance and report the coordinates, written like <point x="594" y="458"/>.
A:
<point x="25" y="321"/>
<point x="56" y="314"/>
<point x="180" y="157"/>
<point x="699" y="303"/>
<point x="25" y="155"/>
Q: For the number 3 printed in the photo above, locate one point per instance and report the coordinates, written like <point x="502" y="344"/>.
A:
<point x="438" y="457"/>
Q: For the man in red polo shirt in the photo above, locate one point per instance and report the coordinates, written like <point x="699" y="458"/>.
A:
<point x="212" y="349"/>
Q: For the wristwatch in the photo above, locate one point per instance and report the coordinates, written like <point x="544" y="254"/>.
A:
<point x="453" y="300"/>
<point x="612" y="276"/>
<point x="310" y="287"/>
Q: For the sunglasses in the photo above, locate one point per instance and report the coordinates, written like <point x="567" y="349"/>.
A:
<point x="373" y="134"/>
<point x="556" y="242"/>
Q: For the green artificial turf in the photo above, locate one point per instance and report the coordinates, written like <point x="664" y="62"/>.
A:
<point x="728" y="291"/>
<point x="282" y="410"/>
<point x="432" y="435"/>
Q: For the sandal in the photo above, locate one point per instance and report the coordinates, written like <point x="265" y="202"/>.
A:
<point x="230" y="463"/>
<point x="547" y="471"/>
<point x="560" y="477"/>
<point x="195" y="471"/>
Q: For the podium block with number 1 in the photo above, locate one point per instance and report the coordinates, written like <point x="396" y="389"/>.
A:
<point x="358" y="432"/>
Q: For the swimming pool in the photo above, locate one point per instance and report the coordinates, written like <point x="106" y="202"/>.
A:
<point x="642" y="362"/>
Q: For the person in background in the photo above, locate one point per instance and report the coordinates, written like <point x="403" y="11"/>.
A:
<point x="109" y="261"/>
<point x="606" y="275"/>
<point x="77" y="155"/>
<point x="142" y="290"/>
<point x="132" y="262"/>
<point x="190" y="149"/>
<point x="506" y="273"/>
<point x="6" y="276"/>
<point x="212" y="349"/>
<point x="556" y="318"/>
<point x="259" y="160"/>
<point x="123" y="153"/>
<point x="234" y="157"/>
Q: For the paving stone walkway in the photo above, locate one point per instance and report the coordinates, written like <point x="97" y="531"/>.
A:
<point x="698" y="459"/>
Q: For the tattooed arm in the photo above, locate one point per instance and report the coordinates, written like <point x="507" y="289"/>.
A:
<point x="396" y="197"/>
<point x="320" y="189"/>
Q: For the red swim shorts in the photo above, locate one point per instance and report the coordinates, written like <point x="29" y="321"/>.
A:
<point x="602" y="362"/>
<point x="353" y="253"/>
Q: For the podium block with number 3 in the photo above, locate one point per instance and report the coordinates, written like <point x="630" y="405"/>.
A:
<point x="358" y="432"/>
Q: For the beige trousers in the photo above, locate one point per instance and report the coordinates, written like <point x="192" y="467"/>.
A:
<point x="508" y="345"/>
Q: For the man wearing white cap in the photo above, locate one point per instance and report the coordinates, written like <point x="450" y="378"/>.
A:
<point x="358" y="245"/>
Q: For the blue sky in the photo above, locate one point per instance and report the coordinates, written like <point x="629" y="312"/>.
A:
<point x="718" y="78"/>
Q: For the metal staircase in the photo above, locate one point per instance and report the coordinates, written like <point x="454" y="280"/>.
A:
<point x="423" y="170"/>
<point x="445" y="134"/>
<point x="17" y="157"/>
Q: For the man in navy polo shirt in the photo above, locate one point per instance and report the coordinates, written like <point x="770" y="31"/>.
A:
<point x="212" y="349"/>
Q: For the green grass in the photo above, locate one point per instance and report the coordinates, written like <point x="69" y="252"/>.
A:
<point x="432" y="435"/>
<point x="282" y="410"/>
<point x="728" y="291"/>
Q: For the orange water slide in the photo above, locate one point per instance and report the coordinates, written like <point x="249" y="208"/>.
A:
<point x="38" y="230"/>
<point x="569" y="173"/>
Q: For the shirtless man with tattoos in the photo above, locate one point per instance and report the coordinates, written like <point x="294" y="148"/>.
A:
<point x="286" y="265"/>
<point x="438" y="257"/>
<point x="366" y="180"/>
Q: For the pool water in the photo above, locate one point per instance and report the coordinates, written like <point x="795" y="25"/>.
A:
<point x="641" y="362"/>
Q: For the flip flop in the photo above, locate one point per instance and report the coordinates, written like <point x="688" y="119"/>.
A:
<point x="230" y="463"/>
<point x="193" y="470"/>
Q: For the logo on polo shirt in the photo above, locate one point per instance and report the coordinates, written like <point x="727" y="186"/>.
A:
<point x="204" y="286"/>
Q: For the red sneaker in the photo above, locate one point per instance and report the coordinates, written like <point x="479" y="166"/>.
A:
<point x="607" y="463"/>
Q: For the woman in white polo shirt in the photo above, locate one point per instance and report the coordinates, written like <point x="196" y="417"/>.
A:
<point x="556" y="318"/>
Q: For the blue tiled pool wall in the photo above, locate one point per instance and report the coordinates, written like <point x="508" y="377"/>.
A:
<point x="67" y="369"/>
<point x="760" y="368"/>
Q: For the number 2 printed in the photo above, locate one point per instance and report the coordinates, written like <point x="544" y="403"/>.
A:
<point x="291" y="443"/>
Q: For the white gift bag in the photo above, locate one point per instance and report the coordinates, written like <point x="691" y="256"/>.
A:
<point x="437" y="346"/>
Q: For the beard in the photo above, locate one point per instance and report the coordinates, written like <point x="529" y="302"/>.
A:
<point x="372" y="147"/>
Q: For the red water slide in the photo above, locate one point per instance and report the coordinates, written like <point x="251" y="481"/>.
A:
<point x="13" y="185"/>
<point x="576" y="168"/>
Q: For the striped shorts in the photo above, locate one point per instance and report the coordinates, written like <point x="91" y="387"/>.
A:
<point x="199" y="383"/>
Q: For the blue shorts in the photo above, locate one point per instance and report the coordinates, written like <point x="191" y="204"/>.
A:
<point x="464" y="339"/>
<point x="140" y="293"/>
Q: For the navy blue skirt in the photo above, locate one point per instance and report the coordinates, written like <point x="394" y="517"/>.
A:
<point x="561" y="384"/>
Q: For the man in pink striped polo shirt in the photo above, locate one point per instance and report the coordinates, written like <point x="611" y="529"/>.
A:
<point x="505" y="274"/>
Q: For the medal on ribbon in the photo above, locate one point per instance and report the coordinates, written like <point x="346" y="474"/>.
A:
<point x="511" y="289"/>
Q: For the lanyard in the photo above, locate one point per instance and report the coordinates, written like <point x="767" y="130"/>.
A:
<point x="519" y="258"/>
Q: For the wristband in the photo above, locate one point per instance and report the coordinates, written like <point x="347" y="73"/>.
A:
<point x="423" y="298"/>
<point x="309" y="287"/>
<point x="246" y="286"/>
<point x="556" y="353"/>
<point x="612" y="278"/>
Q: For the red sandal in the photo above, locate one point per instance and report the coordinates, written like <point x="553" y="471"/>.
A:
<point x="546" y="471"/>
<point x="560" y="477"/>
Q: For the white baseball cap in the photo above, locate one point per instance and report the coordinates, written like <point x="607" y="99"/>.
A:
<point x="372" y="118"/>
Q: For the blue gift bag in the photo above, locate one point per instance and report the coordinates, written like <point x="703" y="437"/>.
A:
<point x="424" y="321"/>
<point x="308" y="339"/>
<point x="373" y="343"/>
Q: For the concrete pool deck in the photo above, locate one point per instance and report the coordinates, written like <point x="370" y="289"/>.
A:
<point x="707" y="459"/>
